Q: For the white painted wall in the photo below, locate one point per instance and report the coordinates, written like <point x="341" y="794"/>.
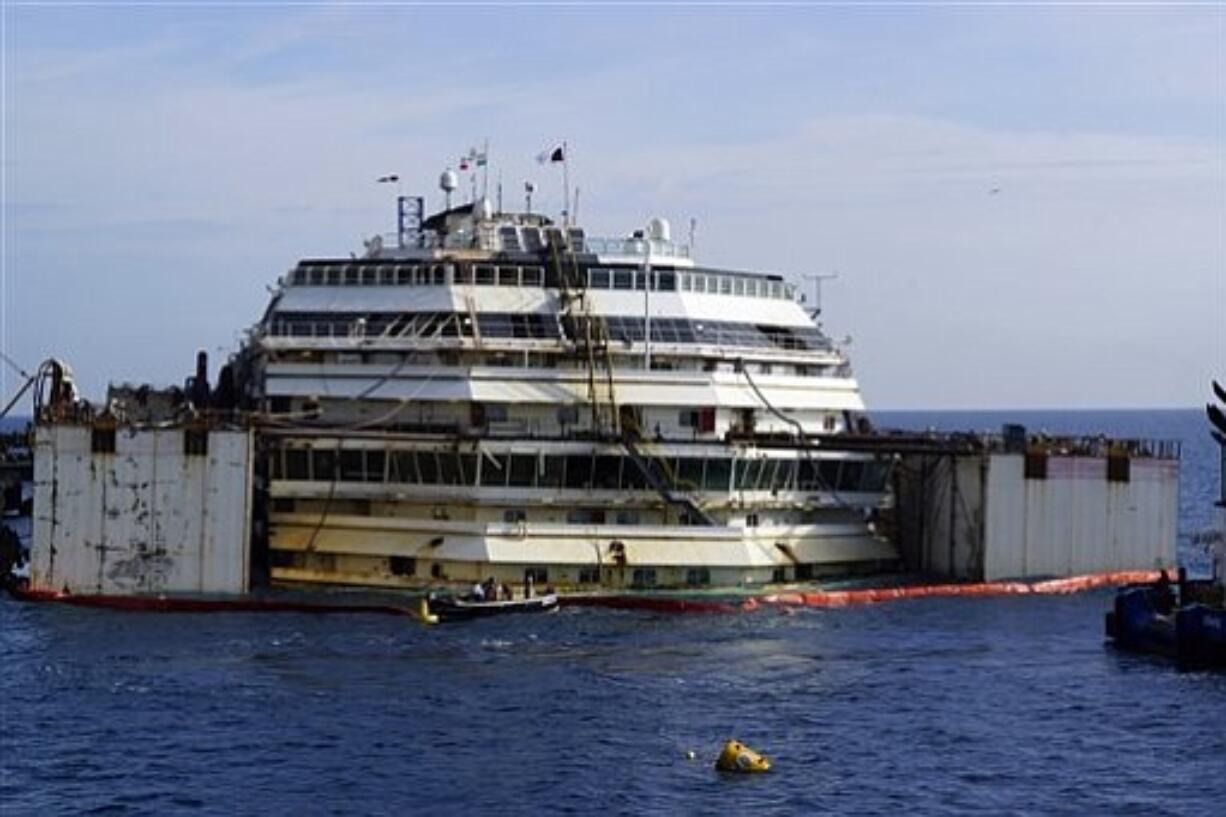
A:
<point x="146" y="519"/>
<point x="1076" y="521"/>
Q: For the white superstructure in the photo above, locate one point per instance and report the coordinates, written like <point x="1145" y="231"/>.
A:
<point x="490" y="394"/>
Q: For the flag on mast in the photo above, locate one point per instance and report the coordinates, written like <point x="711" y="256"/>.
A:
<point x="558" y="154"/>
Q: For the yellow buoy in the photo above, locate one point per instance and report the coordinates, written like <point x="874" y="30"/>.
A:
<point x="737" y="757"/>
<point x="423" y="612"/>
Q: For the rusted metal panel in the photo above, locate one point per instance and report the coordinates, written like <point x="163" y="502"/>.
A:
<point x="1076" y="521"/>
<point x="148" y="518"/>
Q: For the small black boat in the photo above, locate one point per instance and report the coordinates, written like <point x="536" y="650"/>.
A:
<point x="452" y="608"/>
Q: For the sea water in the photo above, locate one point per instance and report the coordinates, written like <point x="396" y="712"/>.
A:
<point x="1008" y="705"/>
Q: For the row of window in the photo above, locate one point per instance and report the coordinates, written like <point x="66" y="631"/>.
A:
<point x="577" y="471"/>
<point x="531" y="275"/>
<point x="545" y="326"/>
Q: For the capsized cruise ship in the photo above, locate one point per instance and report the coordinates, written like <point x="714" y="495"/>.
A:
<point x="492" y="393"/>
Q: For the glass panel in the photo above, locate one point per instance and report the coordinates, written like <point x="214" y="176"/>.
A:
<point x="850" y="476"/>
<point x="876" y="474"/>
<point x="483" y="274"/>
<point x="747" y="474"/>
<point x="494" y="470"/>
<point x="353" y="468"/>
<point x="700" y="283"/>
<point x="632" y="475"/>
<point x="598" y="279"/>
<point x="828" y="470"/>
<point x="579" y="471"/>
<point x="685" y="282"/>
<point x="623" y="279"/>
<point x="508" y="276"/>
<point x="785" y="475"/>
<point x="532" y="276"/>
<point x="468" y="469"/>
<point x="605" y="476"/>
<point x="402" y="468"/>
<point x="375" y="462"/>
<point x="449" y="468"/>
<point x="427" y="467"/>
<point x="297" y="464"/>
<point x="689" y="473"/>
<point x="523" y="470"/>
<point x="719" y="471"/>
<point x="323" y="465"/>
<point x="551" y="472"/>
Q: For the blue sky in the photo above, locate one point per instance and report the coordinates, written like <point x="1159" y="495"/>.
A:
<point x="162" y="165"/>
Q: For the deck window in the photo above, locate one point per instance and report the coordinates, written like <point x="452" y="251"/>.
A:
<point x="427" y="467"/>
<point x="297" y="464"/>
<point x="523" y="470"/>
<point x="323" y="465"/>
<point x="376" y="466"/>
<point x="532" y="276"/>
<point x="508" y="276"/>
<point x="698" y="576"/>
<point x="353" y="466"/>
<point x="579" y="471"/>
<point x="689" y="473"/>
<point x="605" y="473"/>
<point x="483" y="275"/>
<point x="685" y="282"/>
<point x="747" y="474"/>
<point x="401" y="467"/>
<point x="551" y="471"/>
<point x="666" y="281"/>
<point x="718" y="473"/>
<point x="623" y="279"/>
<point x="370" y="277"/>
<point x="644" y="577"/>
<point x="463" y="275"/>
<point x="598" y="278"/>
<point x="700" y="283"/>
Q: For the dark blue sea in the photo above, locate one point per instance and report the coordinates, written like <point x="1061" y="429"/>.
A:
<point x="938" y="706"/>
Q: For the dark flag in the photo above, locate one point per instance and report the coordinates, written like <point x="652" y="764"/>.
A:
<point x="555" y="155"/>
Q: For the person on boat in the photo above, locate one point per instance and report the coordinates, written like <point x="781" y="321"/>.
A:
<point x="490" y="589"/>
<point x="1164" y="596"/>
<point x="529" y="587"/>
<point x="478" y="592"/>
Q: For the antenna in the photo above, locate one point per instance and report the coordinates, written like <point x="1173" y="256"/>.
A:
<point x="817" y="278"/>
<point x="529" y="189"/>
<point x="574" y="217"/>
<point x="693" y="227"/>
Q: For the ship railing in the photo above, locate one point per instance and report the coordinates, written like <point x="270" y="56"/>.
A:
<point x="1054" y="445"/>
<point x="636" y="247"/>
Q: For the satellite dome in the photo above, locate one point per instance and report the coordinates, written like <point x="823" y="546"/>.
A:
<point x="449" y="181"/>
<point x="658" y="229"/>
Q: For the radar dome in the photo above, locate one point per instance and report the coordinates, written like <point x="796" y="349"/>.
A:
<point x="658" y="229"/>
<point x="449" y="181"/>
